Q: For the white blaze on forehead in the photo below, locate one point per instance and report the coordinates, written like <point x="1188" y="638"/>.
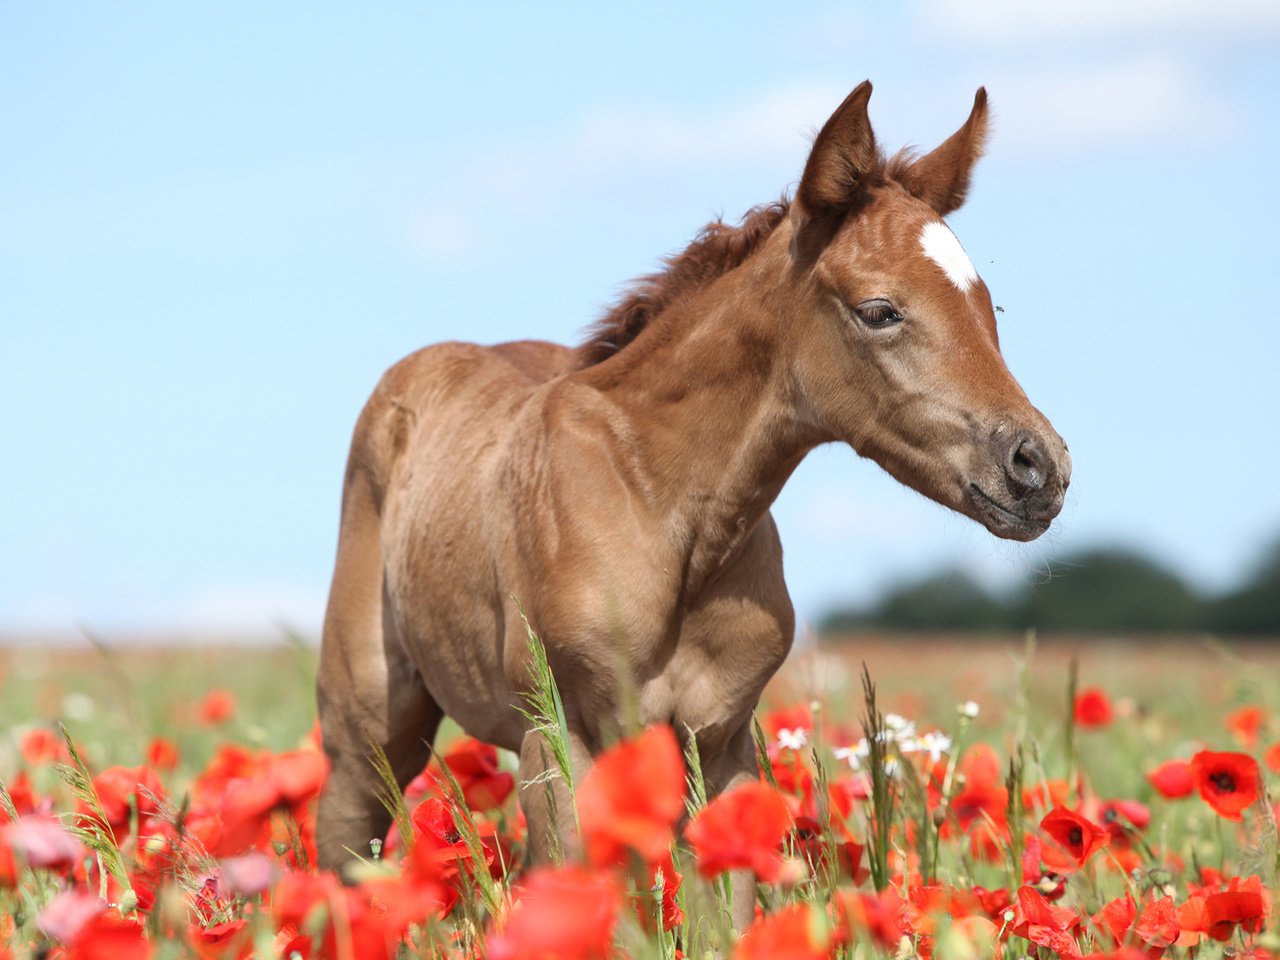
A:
<point x="941" y="246"/>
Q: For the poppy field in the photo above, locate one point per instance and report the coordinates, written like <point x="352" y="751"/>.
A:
<point x="956" y="800"/>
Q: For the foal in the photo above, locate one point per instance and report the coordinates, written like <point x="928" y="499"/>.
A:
<point x="620" y="492"/>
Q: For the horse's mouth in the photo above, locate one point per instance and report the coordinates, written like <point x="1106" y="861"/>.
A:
<point x="1004" y="521"/>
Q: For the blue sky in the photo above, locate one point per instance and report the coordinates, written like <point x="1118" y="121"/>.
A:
<point x="219" y="224"/>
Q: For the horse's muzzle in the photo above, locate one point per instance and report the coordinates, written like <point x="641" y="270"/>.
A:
<point x="1034" y="473"/>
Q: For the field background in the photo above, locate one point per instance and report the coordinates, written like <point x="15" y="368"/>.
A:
<point x="114" y="699"/>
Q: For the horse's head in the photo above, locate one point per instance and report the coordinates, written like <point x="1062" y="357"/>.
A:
<point x="897" y="346"/>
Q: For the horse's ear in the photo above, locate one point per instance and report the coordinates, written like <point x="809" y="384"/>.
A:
<point x="941" y="178"/>
<point x="843" y="153"/>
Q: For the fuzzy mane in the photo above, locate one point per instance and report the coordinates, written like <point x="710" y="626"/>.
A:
<point x="716" y="250"/>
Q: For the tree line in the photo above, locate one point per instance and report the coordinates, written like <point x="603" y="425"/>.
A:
<point x="1107" y="589"/>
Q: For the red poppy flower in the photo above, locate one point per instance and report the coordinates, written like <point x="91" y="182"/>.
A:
<point x="41" y="745"/>
<point x="1039" y="921"/>
<point x="1228" y="782"/>
<point x="846" y="853"/>
<point x="789" y="934"/>
<point x="1245" y="724"/>
<point x="567" y="913"/>
<point x="1050" y="883"/>
<point x="1225" y="911"/>
<point x="23" y="794"/>
<point x="1193" y="921"/>
<point x="299" y="775"/>
<point x="994" y="902"/>
<point x="926" y="903"/>
<point x="121" y="790"/>
<point x="1116" y="917"/>
<point x="632" y="797"/>
<point x="1093" y="708"/>
<point x="1073" y="840"/>
<point x="1272" y="758"/>
<point x="408" y="899"/>
<point x="439" y="849"/>
<point x="331" y="914"/>
<point x="217" y="706"/>
<point x="474" y="764"/>
<point x="796" y="717"/>
<point x="108" y="936"/>
<point x="1173" y="779"/>
<point x="1122" y="819"/>
<point x="878" y="916"/>
<point x="1158" y="925"/>
<point x="285" y="781"/>
<point x="1046" y="795"/>
<point x="230" y="938"/>
<point x="793" y="778"/>
<point x="983" y="794"/>
<point x="662" y="874"/>
<point x="742" y="827"/>
<point x="298" y="894"/>
<point x="162" y="754"/>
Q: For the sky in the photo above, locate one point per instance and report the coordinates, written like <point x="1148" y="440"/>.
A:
<point x="220" y="223"/>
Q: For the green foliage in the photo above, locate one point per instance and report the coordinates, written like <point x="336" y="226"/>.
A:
<point x="1253" y="608"/>
<point x="1108" y="589"/>
<point x="950" y="598"/>
<point x="1102" y="590"/>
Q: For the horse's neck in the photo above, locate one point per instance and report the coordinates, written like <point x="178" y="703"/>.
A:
<point x="707" y="395"/>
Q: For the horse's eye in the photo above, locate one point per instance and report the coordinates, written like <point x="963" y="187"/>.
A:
<point x="877" y="313"/>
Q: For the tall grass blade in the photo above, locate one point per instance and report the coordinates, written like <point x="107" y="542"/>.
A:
<point x="880" y="827"/>
<point x="762" y="752"/>
<point x="6" y="802"/>
<point x="389" y="794"/>
<point x="696" y="796"/>
<point x="544" y="709"/>
<point x="93" y="829"/>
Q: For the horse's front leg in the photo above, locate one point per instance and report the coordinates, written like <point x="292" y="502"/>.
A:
<point x="733" y="767"/>
<point x="546" y="799"/>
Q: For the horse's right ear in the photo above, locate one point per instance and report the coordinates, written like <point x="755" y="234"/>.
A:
<point x="843" y="153"/>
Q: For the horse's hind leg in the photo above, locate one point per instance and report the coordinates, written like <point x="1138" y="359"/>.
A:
<point x="367" y="689"/>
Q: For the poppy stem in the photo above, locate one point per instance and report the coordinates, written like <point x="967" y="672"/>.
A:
<point x="1073" y="682"/>
<point x="1222" y="844"/>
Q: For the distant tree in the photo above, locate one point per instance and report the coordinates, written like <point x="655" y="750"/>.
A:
<point x="1111" y="589"/>
<point x="949" y="600"/>
<point x="1108" y="589"/>
<point x="1255" y="607"/>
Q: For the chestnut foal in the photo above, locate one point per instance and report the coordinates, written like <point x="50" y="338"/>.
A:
<point x="620" y="492"/>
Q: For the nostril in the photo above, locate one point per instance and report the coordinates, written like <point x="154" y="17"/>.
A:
<point x="1027" y="467"/>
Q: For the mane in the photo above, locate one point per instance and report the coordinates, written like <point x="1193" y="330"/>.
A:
<point x="717" y="249"/>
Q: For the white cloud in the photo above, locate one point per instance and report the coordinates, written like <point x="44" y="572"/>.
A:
<point x="1005" y="21"/>
<point x="1143" y="101"/>
<point x="605" y="151"/>
<point x="770" y="126"/>
<point x="1068" y="78"/>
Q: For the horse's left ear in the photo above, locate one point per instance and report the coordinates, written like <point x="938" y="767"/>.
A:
<point x="941" y="178"/>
